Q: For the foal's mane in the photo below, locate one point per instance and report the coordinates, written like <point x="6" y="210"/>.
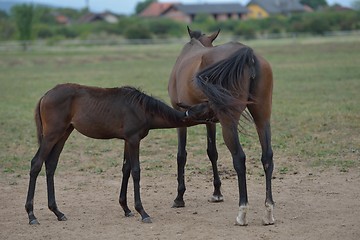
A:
<point x="150" y="104"/>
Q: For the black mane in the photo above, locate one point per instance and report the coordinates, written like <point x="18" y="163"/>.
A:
<point x="149" y="103"/>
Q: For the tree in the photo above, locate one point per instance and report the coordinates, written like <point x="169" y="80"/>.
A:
<point x="142" y="5"/>
<point x="23" y="15"/>
<point x="314" y="4"/>
<point x="356" y="5"/>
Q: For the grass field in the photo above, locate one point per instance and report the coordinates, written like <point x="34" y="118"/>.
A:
<point x="316" y="105"/>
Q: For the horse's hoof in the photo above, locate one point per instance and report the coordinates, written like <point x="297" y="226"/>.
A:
<point x="34" y="222"/>
<point x="267" y="222"/>
<point x="62" y="218"/>
<point x="129" y="214"/>
<point x="241" y="218"/>
<point x="147" y="220"/>
<point x="216" y="198"/>
<point x="269" y="215"/>
<point x="178" y="204"/>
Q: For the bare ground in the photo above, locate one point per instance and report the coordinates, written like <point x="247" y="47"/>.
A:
<point x="309" y="205"/>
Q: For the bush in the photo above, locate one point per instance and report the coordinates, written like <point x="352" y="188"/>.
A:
<point x="165" y="27"/>
<point x="137" y="31"/>
<point x="43" y="31"/>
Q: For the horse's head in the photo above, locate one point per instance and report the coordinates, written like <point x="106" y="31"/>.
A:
<point x="199" y="113"/>
<point x="204" y="39"/>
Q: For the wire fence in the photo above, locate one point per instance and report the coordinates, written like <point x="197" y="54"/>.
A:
<point x="48" y="45"/>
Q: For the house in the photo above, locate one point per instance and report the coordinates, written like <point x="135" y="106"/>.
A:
<point x="188" y="12"/>
<point x="105" y="17"/>
<point x="155" y="9"/>
<point x="265" y="8"/>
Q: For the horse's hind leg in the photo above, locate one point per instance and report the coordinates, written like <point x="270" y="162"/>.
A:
<point x="213" y="157"/>
<point x="262" y="121"/>
<point x="51" y="164"/>
<point x="36" y="165"/>
<point x="126" y="170"/>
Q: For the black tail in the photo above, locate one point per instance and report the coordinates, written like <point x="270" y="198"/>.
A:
<point x="222" y="82"/>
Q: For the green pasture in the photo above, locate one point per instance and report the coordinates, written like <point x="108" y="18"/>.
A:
<point x="315" y="121"/>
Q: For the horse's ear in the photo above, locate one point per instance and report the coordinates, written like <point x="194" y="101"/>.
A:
<point x="214" y="35"/>
<point x="189" y="31"/>
<point x="183" y="105"/>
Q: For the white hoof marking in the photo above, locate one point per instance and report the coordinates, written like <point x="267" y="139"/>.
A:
<point x="269" y="214"/>
<point x="241" y="218"/>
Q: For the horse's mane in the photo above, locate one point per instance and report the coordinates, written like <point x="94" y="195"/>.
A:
<point x="149" y="103"/>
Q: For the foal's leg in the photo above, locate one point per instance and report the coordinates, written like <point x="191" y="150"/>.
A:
<point x="231" y="139"/>
<point x="51" y="164"/>
<point x="181" y="162"/>
<point x="126" y="170"/>
<point x="213" y="157"/>
<point x="132" y="149"/>
<point x="36" y="164"/>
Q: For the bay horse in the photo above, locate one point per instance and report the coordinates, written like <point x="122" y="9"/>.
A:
<point x="232" y="78"/>
<point x="101" y="113"/>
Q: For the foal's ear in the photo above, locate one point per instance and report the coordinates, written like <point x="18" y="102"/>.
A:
<point x="214" y="35"/>
<point x="184" y="106"/>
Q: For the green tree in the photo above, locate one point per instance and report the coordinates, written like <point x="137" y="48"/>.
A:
<point x="142" y="5"/>
<point x="314" y="4"/>
<point x="23" y="15"/>
<point x="356" y="5"/>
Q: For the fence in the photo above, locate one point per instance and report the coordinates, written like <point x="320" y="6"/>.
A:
<point x="38" y="45"/>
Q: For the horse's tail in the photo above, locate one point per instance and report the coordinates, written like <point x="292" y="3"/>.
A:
<point x="223" y="82"/>
<point x="38" y="122"/>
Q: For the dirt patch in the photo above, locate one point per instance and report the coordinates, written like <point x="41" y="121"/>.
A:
<point x="308" y="206"/>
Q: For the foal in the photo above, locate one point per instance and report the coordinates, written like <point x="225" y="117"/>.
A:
<point x="101" y="113"/>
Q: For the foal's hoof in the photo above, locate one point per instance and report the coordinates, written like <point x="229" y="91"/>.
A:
<point x="129" y="214"/>
<point x="216" y="198"/>
<point x="62" y="218"/>
<point x="146" y="220"/>
<point x="34" y="222"/>
<point x="178" y="204"/>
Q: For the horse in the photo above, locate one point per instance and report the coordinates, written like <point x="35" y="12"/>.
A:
<point x="101" y="113"/>
<point x="232" y="77"/>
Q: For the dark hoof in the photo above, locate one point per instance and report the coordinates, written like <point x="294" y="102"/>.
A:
<point x="216" y="198"/>
<point x="129" y="214"/>
<point x="62" y="218"/>
<point x="178" y="204"/>
<point x="34" y="222"/>
<point x="147" y="220"/>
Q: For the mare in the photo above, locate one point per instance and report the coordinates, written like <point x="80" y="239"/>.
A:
<point x="101" y="113"/>
<point x="232" y="78"/>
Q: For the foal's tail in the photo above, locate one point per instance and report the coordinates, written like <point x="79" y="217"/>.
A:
<point x="223" y="82"/>
<point x="38" y="122"/>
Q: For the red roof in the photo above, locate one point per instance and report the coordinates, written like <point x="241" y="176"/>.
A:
<point x="155" y="9"/>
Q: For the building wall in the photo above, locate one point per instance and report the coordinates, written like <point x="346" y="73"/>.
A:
<point x="255" y="11"/>
<point x="178" y="16"/>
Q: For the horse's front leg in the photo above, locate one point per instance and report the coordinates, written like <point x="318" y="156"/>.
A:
<point x="213" y="157"/>
<point x="231" y="140"/>
<point x="181" y="162"/>
<point x="132" y="149"/>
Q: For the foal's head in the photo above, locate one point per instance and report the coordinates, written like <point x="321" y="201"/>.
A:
<point x="199" y="113"/>
<point x="205" y="40"/>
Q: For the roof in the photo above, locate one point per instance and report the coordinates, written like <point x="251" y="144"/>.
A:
<point x="279" y="6"/>
<point x="218" y="8"/>
<point x="155" y="9"/>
